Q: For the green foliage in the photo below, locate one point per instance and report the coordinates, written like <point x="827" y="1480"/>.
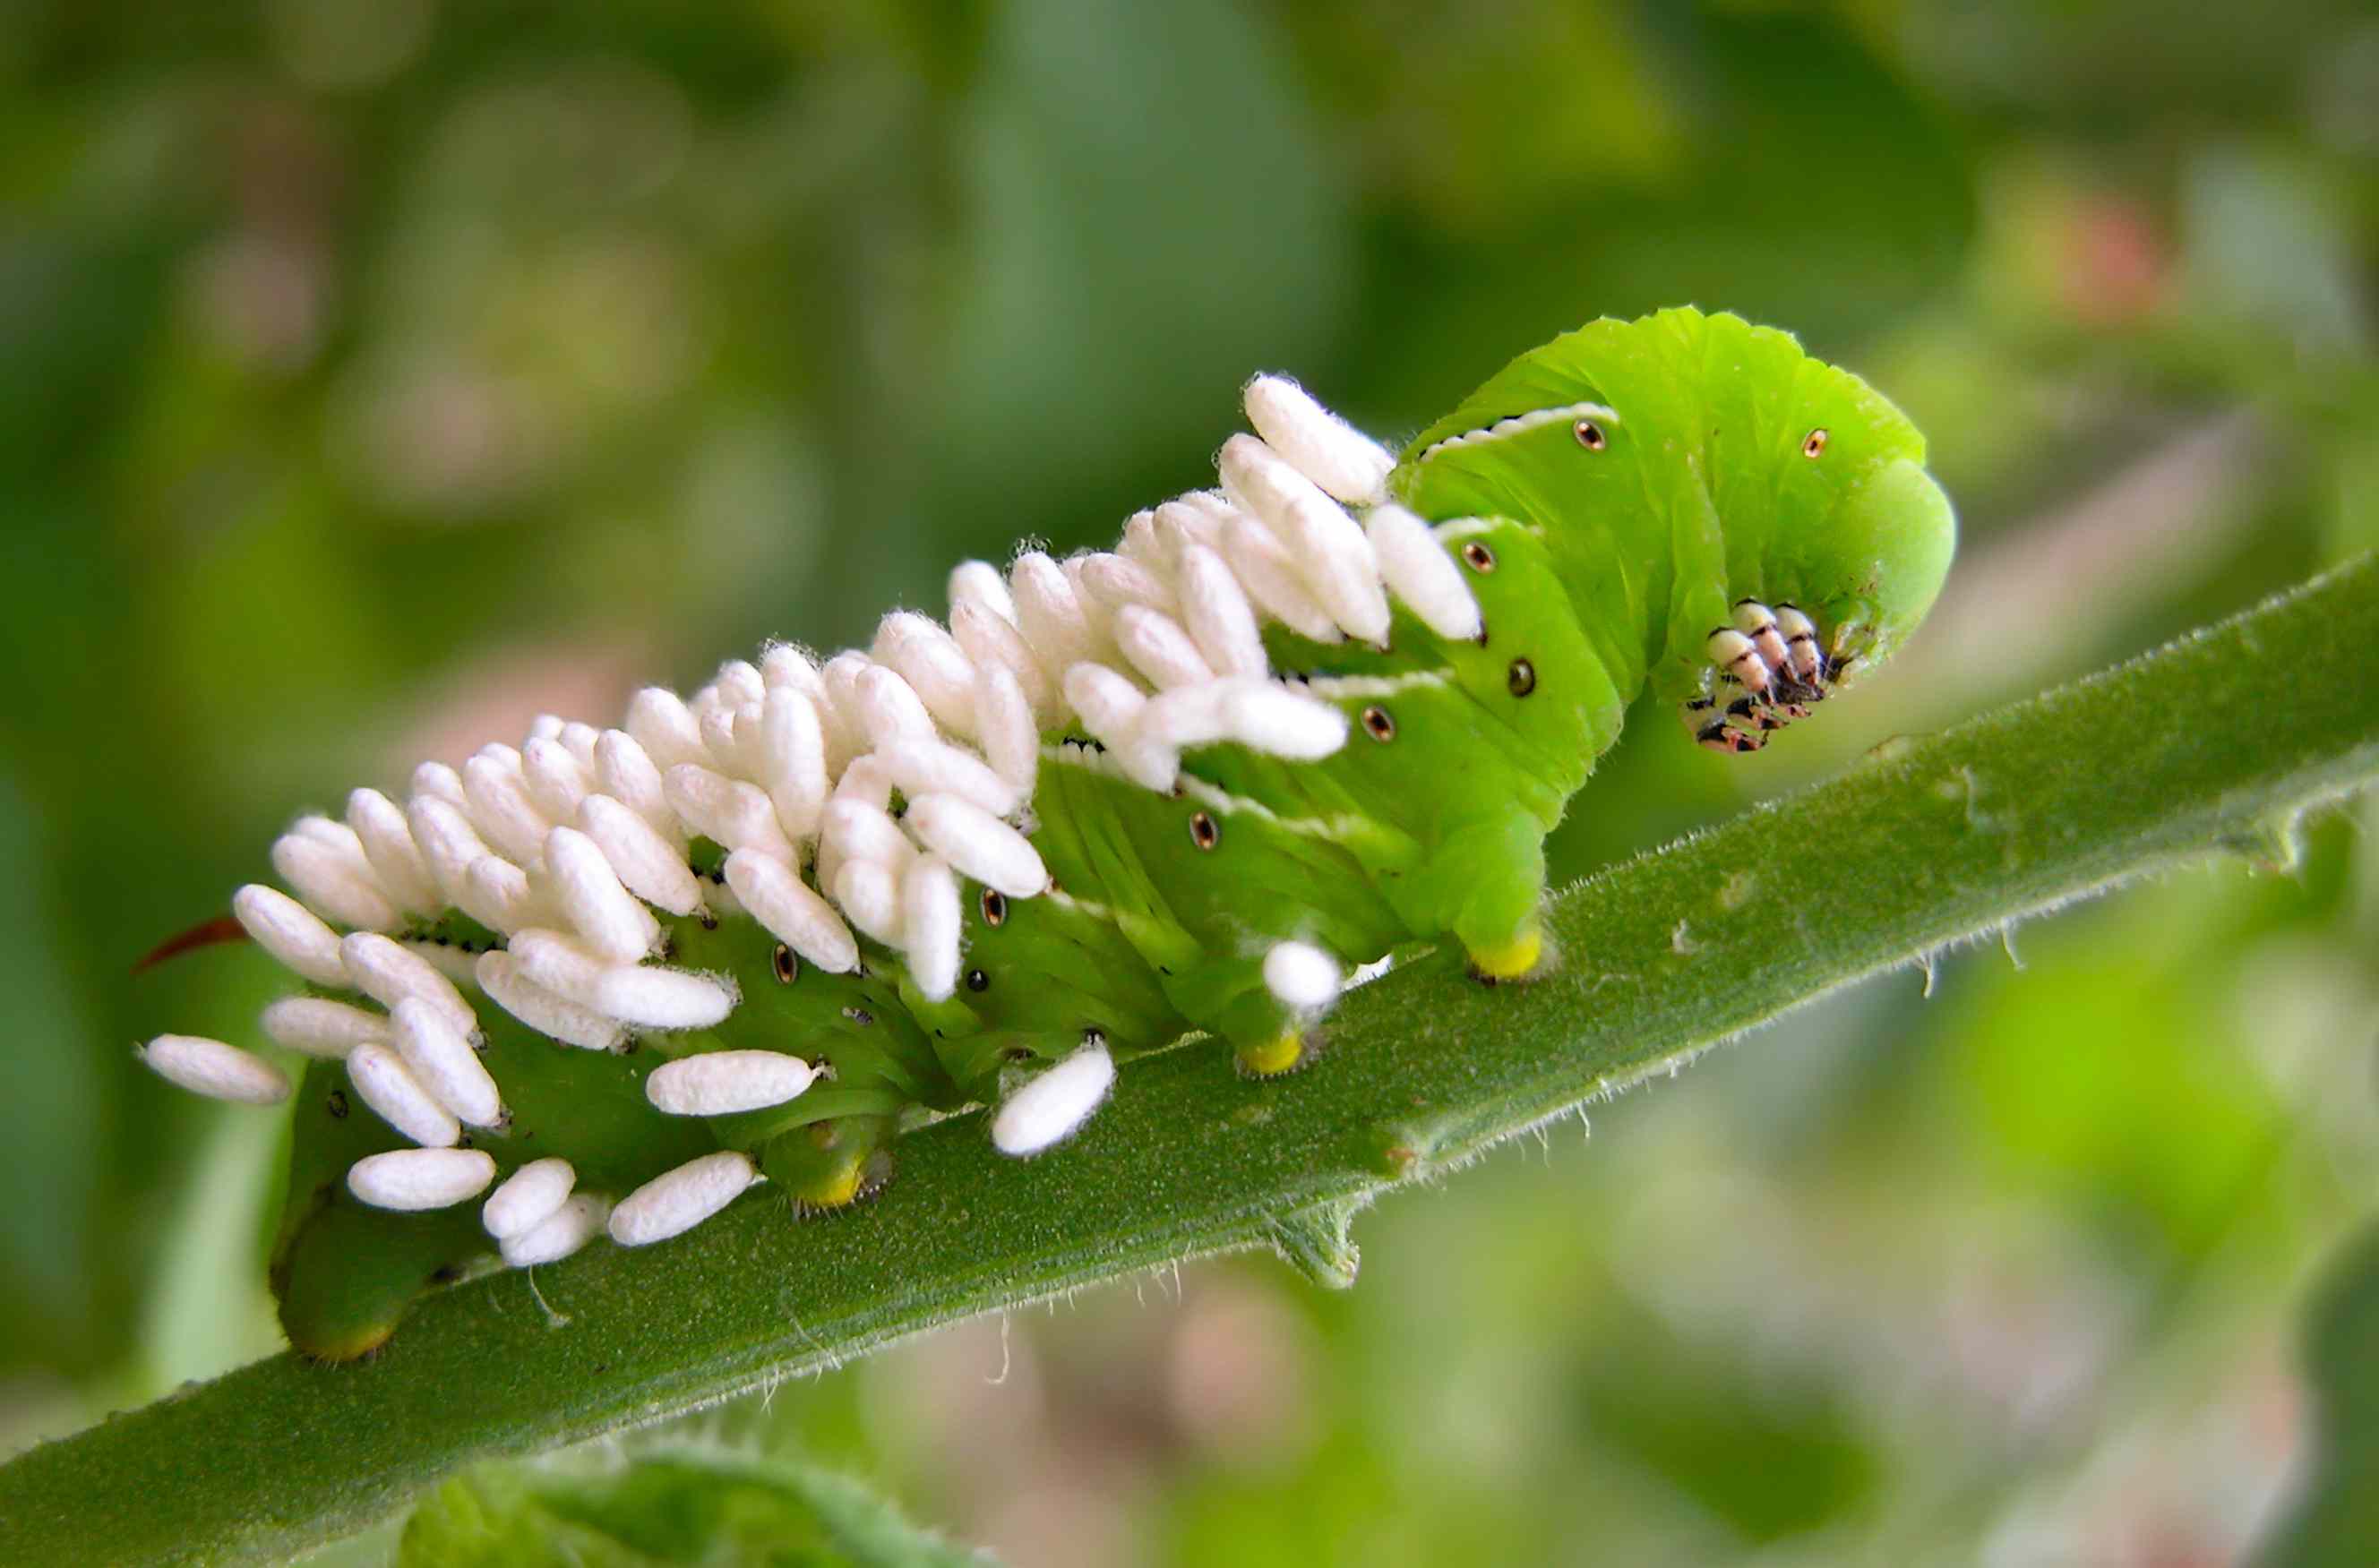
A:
<point x="2336" y="1520"/>
<point x="667" y="1507"/>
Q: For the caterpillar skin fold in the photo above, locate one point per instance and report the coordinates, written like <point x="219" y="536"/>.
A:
<point x="607" y="982"/>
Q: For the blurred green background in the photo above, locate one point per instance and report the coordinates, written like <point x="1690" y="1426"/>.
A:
<point x="380" y="373"/>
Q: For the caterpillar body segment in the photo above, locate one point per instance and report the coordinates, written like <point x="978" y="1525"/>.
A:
<point x="1287" y="727"/>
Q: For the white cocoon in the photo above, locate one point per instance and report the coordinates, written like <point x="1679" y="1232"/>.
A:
<point x="579" y="1221"/>
<point x="1051" y="1107"/>
<point x="528" y="1198"/>
<point x="677" y="1200"/>
<point x="414" y="1180"/>
<point x="792" y="912"/>
<point x="719" y="1084"/>
<point x="320" y="1027"/>
<point x="442" y="1062"/>
<point x="391" y="1091"/>
<point x="978" y="845"/>
<point x="291" y="933"/>
<point x="215" y="1069"/>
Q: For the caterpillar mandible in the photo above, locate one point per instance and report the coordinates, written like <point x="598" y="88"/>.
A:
<point x="606" y="983"/>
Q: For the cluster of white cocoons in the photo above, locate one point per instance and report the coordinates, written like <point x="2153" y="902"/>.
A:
<point x="567" y="845"/>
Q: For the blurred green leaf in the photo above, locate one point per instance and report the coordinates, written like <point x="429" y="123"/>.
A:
<point x="45" y="1287"/>
<point x="667" y="1507"/>
<point x="2336" y="1521"/>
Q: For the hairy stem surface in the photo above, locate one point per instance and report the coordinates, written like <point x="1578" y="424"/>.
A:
<point x="2218" y="743"/>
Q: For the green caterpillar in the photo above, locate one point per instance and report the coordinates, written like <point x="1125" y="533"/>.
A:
<point x="1284" y="728"/>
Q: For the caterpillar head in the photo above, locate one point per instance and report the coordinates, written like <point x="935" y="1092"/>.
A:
<point x="1860" y="535"/>
<point x="1692" y="472"/>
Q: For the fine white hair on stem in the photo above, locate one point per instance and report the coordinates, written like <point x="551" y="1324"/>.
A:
<point x="292" y="934"/>
<point x="413" y="1180"/>
<point x="579" y="1220"/>
<point x="558" y="1018"/>
<point x="1301" y="977"/>
<point x="1050" y="1108"/>
<point x="527" y="1198"/>
<point x="389" y="972"/>
<point x="442" y="1061"/>
<point x="678" y="1199"/>
<point x="215" y="1069"/>
<point x="389" y="1087"/>
<point x="1325" y="449"/>
<point x="317" y="1026"/>
<point x="719" y="1084"/>
<point x="791" y="912"/>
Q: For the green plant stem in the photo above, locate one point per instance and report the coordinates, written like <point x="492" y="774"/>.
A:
<point x="2219" y="742"/>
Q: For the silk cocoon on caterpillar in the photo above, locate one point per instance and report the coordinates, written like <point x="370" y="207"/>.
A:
<point x="606" y="982"/>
